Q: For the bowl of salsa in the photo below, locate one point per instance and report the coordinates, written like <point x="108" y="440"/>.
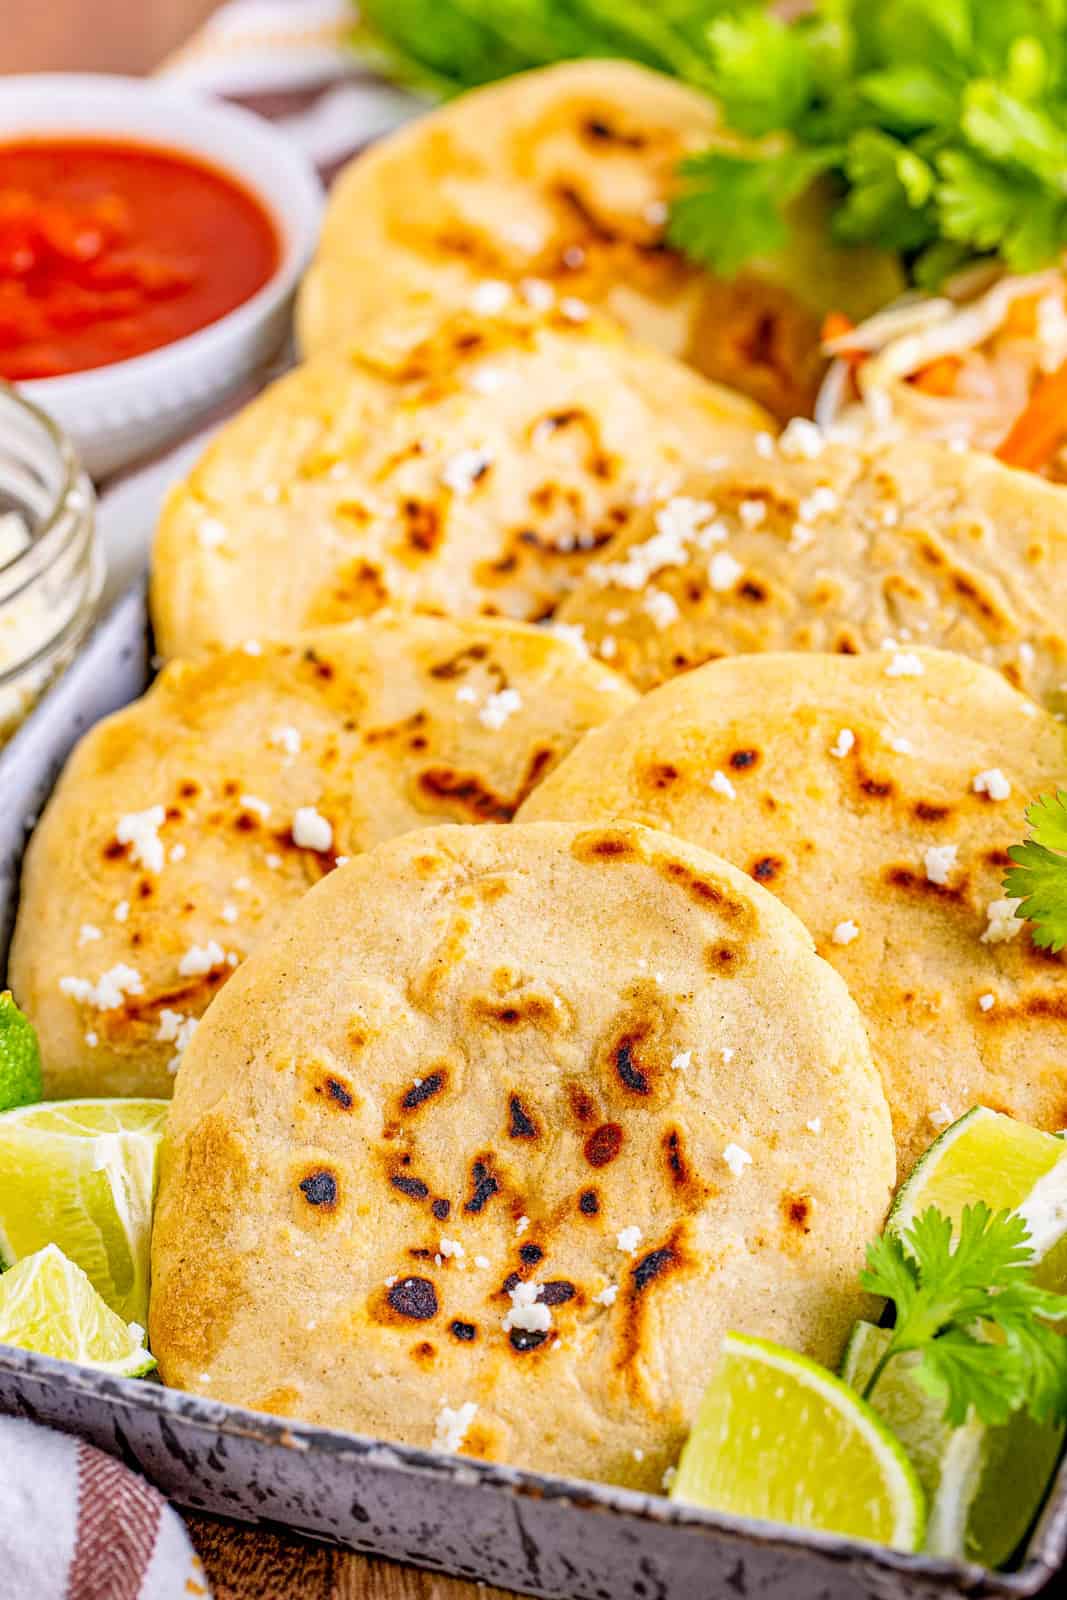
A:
<point x="150" y="245"/>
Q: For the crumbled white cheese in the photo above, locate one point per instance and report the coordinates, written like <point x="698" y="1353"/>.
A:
<point x="482" y="1262"/>
<point x="486" y="380"/>
<point x="451" y="1247"/>
<point x="801" y="440"/>
<point x="661" y="607"/>
<point x="723" y="571"/>
<point x="765" y="445"/>
<point x="903" y="747"/>
<point x="107" y="993"/>
<point x="521" y="1226"/>
<point x="608" y="648"/>
<point x="527" y="1312"/>
<point x="463" y="470"/>
<point x="310" y="830"/>
<point x="273" y="861"/>
<point x="467" y="694"/>
<point x="252" y="802"/>
<point x="942" y="1116"/>
<point x="987" y="1001"/>
<point x="608" y="1296"/>
<point x="1027" y="654"/>
<point x="727" y="1052"/>
<point x="843" y="743"/>
<point x="845" y="932"/>
<point x="821" y="500"/>
<point x="991" y="782"/>
<point x="287" y="739"/>
<point x="452" y="1426"/>
<point x="499" y="707"/>
<point x="241" y="884"/>
<point x="229" y="912"/>
<point x="628" y="1239"/>
<point x="252" y="647"/>
<point x="573" y="309"/>
<point x="801" y="537"/>
<point x="200" y="959"/>
<point x="905" y="664"/>
<point x="720" y="784"/>
<point x="176" y="1029"/>
<point x="178" y="853"/>
<point x="490" y="297"/>
<point x="814" y="1125"/>
<point x="1003" y="923"/>
<point x="88" y="933"/>
<point x="538" y="293"/>
<point x="939" y="861"/>
<point x="140" y="830"/>
<point x="736" y="1159"/>
<point x="211" y="533"/>
<point x="569" y="632"/>
<point x="682" y="1060"/>
<point x="752" y="512"/>
<point x="92" y="1039"/>
<point x="122" y="911"/>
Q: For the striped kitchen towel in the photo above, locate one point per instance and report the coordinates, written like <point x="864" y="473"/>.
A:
<point x="77" y="1525"/>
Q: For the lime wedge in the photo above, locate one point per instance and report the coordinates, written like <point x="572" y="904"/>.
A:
<point x="20" y="1059"/>
<point x="984" y="1486"/>
<point x="988" y="1156"/>
<point x="47" y="1304"/>
<point x="82" y="1174"/>
<point x="781" y="1438"/>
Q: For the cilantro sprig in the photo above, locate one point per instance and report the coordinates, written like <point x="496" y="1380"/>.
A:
<point x="939" y="126"/>
<point x="1039" y="876"/>
<point x="984" y="1332"/>
<point x="942" y="122"/>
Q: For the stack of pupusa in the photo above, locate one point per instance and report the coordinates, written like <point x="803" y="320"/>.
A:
<point x="523" y="1117"/>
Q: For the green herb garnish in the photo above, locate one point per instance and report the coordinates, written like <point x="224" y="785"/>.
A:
<point x="980" y="1325"/>
<point x="944" y="123"/>
<point x="940" y="124"/>
<point x="1039" y="876"/>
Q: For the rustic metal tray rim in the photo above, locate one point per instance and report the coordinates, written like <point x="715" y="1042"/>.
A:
<point x="1045" y="1551"/>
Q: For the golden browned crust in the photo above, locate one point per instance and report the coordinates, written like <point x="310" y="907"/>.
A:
<point x="472" y="1060"/>
<point x="470" y="466"/>
<point x="380" y="727"/>
<point x="913" y="541"/>
<point x="829" y="779"/>
<point x="560" y="179"/>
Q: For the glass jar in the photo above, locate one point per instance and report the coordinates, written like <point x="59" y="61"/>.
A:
<point x="51" y="571"/>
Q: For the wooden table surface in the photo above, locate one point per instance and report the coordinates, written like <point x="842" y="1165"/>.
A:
<point x="251" y="1564"/>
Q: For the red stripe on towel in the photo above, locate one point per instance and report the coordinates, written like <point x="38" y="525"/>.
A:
<point x="118" y="1523"/>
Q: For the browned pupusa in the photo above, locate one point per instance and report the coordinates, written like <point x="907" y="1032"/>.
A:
<point x="556" y="184"/>
<point x="877" y="796"/>
<point x="470" y="465"/>
<point x="836" y="550"/>
<point x="519" y="1120"/>
<point x="185" y="827"/>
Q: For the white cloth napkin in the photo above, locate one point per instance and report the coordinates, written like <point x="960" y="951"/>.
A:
<point x="76" y="1525"/>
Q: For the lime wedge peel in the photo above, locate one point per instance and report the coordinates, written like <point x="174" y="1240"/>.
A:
<point x="82" y="1174"/>
<point x="984" y="1486"/>
<point x="48" y="1305"/>
<point x="780" y="1438"/>
<point x="988" y="1156"/>
<point x="20" y="1057"/>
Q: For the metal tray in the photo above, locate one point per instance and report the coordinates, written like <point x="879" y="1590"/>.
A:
<point x="546" y="1536"/>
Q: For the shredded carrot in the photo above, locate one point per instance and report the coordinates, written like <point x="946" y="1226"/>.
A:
<point x="938" y="377"/>
<point x="834" y="325"/>
<point x="1021" y="320"/>
<point x="1041" y="428"/>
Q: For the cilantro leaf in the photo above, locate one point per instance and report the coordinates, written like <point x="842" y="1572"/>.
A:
<point x="731" y="205"/>
<point x="1039" y="877"/>
<point x="891" y="190"/>
<point x="968" y="1307"/>
<point x="763" y="71"/>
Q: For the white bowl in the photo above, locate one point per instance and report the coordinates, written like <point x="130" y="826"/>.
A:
<point x="118" y="413"/>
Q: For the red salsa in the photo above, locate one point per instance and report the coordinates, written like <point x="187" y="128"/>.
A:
<point x="109" y="249"/>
